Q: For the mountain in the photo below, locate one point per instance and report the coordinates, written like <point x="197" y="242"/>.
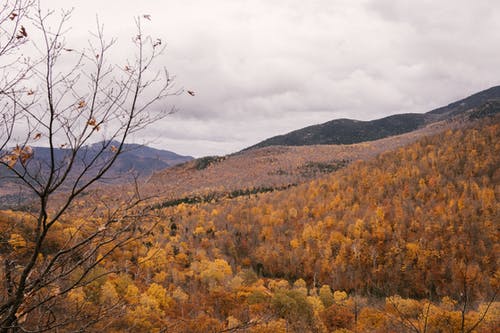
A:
<point x="145" y="160"/>
<point x="279" y="166"/>
<point x="349" y="131"/>
<point x="471" y="102"/>
<point x="135" y="160"/>
<point x="274" y="167"/>
<point x="140" y="159"/>
<point x="331" y="255"/>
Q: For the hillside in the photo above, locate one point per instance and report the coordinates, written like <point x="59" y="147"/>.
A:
<point x="419" y="222"/>
<point x="406" y="240"/>
<point x="348" y="131"/>
<point x="393" y="235"/>
<point x="274" y="166"/>
<point x="471" y="102"/>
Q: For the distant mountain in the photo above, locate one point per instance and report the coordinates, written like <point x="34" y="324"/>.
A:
<point x="348" y="131"/>
<point x="145" y="160"/>
<point x="135" y="159"/>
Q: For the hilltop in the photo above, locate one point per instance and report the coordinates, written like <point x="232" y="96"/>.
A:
<point x="349" y="131"/>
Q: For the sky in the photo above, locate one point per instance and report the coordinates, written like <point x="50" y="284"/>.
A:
<point x="261" y="68"/>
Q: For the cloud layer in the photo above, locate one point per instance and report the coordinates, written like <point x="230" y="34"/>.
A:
<point x="262" y="68"/>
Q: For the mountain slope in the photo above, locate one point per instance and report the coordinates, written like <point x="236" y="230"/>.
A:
<point x="468" y="103"/>
<point x="434" y="200"/>
<point x="409" y="231"/>
<point x="348" y="131"/>
<point x="279" y="166"/>
<point x="275" y="166"/>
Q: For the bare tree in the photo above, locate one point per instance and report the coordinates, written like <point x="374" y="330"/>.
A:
<point x="468" y="276"/>
<point x="68" y="108"/>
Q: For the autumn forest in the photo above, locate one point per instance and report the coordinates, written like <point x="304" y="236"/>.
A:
<point x="394" y="229"/>
<point x="405" y="242"/>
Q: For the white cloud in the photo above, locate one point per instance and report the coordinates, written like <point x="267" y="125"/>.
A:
<point x="262" y="68"/>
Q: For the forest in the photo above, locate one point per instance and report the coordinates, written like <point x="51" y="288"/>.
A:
<point x="405" y="242"/>
<point x="398" y="235"/>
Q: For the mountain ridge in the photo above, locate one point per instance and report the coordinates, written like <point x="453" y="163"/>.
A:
<point x="350" y="131"/>
<point x="142" y="159"/>
<point x="135" y="161"/>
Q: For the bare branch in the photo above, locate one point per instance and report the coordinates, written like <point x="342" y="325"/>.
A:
<point x="68" y="107"/>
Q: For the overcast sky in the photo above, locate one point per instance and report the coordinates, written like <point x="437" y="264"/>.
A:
<point x="261" y="68"/>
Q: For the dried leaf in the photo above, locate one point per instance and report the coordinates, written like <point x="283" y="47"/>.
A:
<point x="114" y="149"/>
<point x="37" y="136"/>
<point x="26" y="154"/>
<point x="22" y="33"/>
<point x="190" y="92"/>
<point x="81" y="104"/>
<point x="92" y="122"/>
<point x="10" y="160"/>
<point x="30" y="92"/>
<point x="12" y="16"/>
<point x="157" y="42"/>
<point x="21" y="318"/>
<point x="13" y="161"/>
<point x="147" y="17"/>
<point x="17" y="151"/>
